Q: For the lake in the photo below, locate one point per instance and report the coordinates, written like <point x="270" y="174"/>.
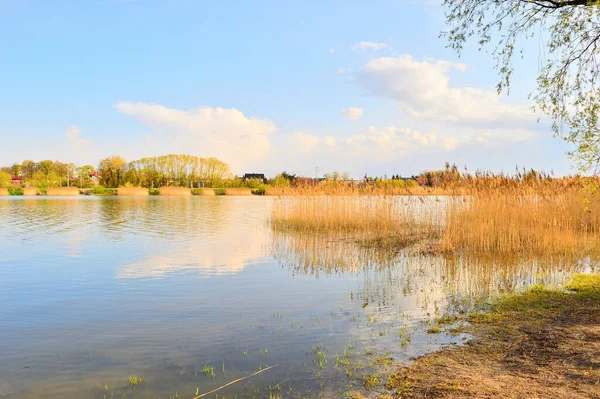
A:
<point x="190" y="293"/>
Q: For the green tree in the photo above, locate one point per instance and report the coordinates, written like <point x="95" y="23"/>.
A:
<point x="5" y="180"/>
<point x="567" y="85"/>
<point x="112" y="170"/>
<point x="28" y="168"/>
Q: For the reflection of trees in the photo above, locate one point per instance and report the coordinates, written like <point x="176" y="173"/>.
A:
<point x="177" y="218"/>
<point x="438" y="281"/>
<point x="31" y="218"/>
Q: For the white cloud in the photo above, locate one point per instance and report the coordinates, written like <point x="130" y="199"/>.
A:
<point x="375" y="144"/>
<point x="500" y="136"/>
<point x="225" y="133"/>
<point x="307" y="142"/>
<point x="369" y="46"/>
<point x="352" y="113"/>
<point x="341" y="71"/>
<point x="329" y="141"/>
<point x="73" y="136"/>
<point x="423" y="91"/>
<point x="331" y="51"/>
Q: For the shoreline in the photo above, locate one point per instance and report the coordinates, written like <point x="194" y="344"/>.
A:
<point x="543" y="343"/>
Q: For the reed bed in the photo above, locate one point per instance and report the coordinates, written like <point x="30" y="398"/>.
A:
<point x="175" y="191"/>
<point x="133" y="191"/>
<point x="238" y="191"/>
<point x="30" y="191"/>
<point x="373" y="221"/>
<point x="496" y="216"/>
<point x="209" y="192"/>
<point x="341" y="189"/>
<point x="62" y="191"/>
<point x="4" y="192"/>
<point x="529" y="221"/>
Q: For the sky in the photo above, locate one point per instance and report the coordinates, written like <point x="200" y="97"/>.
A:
<point x="307" y="87"/>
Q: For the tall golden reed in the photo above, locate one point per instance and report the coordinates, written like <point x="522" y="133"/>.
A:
<point x="175" y="191"/>
<point x="495" y="216"/>
<point x="373" y="220"/>
<point x="62" y="191"/>
<point x="524" y="221"/>
<point x="133" y="191"/>
<point x="30" y="191"/>
<point x="3" y="192"/>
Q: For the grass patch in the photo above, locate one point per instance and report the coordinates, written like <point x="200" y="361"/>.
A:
<point x="15" y="191"/>
<point x="541" y="343"/>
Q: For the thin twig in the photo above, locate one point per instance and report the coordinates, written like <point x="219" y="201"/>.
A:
<point x="233" y="382"/>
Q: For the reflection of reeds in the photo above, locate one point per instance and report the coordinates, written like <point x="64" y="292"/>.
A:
<point x="238" y="191"/>
<point x="175" y="191"/>
<point x="62" y="191"/>
<point x="461" y="278"/>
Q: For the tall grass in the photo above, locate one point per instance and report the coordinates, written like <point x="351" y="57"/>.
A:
<point x="133" y="191"/>
<point x="536" y="221"/>
<point x="30" y="191"/>
<point x="175" y="191"/>
<point x="371" y="220"/>
<point x="62" y="191"/>
<point x="3" y="192"/>
<point x="340" y="188"/>
<point x="494" y="216"/>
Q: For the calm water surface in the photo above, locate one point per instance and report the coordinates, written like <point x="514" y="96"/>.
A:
<point x="94" y="290"/>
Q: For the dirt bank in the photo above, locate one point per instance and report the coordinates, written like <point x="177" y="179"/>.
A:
<point x="540" y="344"/>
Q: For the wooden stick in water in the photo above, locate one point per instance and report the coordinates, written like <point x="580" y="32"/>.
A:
<point x="234" y="381"/>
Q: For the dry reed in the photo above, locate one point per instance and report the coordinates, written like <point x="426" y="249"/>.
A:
<point x="175" y="191"/>
<point x="496" y="216"/>
<point x="4" y="192"/>
<point x="373" y="221"/>
<point x="342" y="189"/>
<point x="30" y="191"/>
<point x="133" y="191"/>
<point x="238" y="191"/>
<point x="62" y="191"/>
<point x="524" y="221"/>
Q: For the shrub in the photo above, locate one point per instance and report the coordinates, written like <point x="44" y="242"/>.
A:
<point x="15" y="191"/>
<point x="153" y="191"/>
<point x="262" y="190"/>
<point x="197" y="191"/>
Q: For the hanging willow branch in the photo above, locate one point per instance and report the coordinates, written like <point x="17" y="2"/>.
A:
<point x="567" y="84"/>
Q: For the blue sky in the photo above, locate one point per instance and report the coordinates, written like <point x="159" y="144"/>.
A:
<point x="357" y="86"/>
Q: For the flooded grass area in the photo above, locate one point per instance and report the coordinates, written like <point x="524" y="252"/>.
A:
<point x="197" y="296"/>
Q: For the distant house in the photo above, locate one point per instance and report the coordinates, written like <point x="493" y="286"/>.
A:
<point x="95" y="177"/>
<point x="253" y="176"/>
<point x="16" y="180"/>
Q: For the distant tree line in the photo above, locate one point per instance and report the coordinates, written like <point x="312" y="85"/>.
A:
<point x="47" y="173"/>
<point x="166" y="170"/>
